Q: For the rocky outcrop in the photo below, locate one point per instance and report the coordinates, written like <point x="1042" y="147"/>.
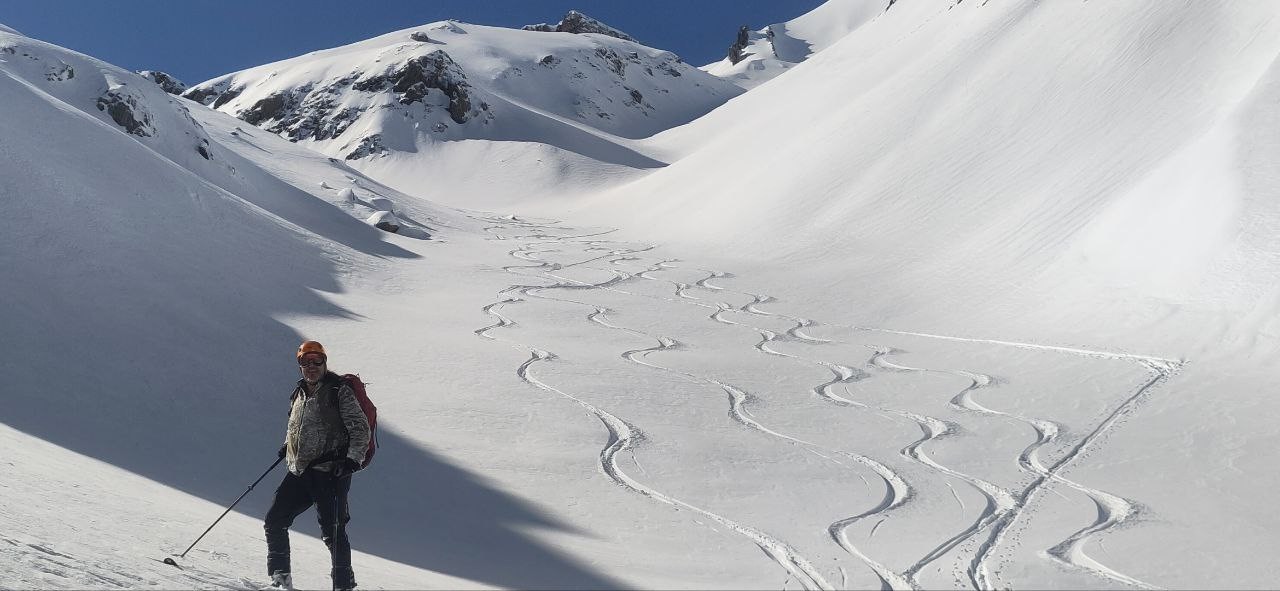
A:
<point x="213" y="95"/>
<point x="413" y="79"/>
<point x="123" y="108"/>
<point x="735" y="54"/>
<point x="367" y="146"/>
<point x="578" y="23"/>
<point x="166" y="82"/>
<point x="322" y="111"/>
<point x="60" y="72"/>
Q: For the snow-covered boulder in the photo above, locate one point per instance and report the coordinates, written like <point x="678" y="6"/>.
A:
<point x="385" y="221"/>
<point x="381" y="203"/>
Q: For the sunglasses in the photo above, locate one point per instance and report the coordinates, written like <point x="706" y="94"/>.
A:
<point x="311" y="363"/>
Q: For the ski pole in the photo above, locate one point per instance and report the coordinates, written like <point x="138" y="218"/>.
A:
<point x="171" y="562"/>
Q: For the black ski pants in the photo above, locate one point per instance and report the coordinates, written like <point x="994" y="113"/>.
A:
<point x="295" y="495"/>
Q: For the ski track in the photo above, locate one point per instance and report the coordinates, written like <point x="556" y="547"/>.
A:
<point x="931" y="428"/>
<point x="1113" y="511"/>
<point x="897" y="491"/>
<point x="622" y="435"/>
<point x="1003" y="508"/>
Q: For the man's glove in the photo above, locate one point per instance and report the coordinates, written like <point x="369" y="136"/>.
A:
<point x="346" y="467"/>
<point x="281" y="452"/>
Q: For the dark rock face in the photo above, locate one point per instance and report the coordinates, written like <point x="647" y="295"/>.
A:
<point x="204" y="95"/>
<point x="367" y="147"/>
<point x="265" y="109"/>
<point x="167" y="83"/>
<point x="124" y="110"/>
<point x="420" y="37"/>
<point x="735" y="54"/>
<point x="578" y="23"/>
<point x="614" y="61"/>
<point x="416" y="77"/>
<point x="387" y="227"/>
<point x="60" y="73"/>
<point x="214" y="95"/>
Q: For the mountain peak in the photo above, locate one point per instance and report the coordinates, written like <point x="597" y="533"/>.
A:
<point x="577" y="23"/>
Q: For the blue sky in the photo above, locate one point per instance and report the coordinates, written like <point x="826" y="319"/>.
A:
<point x="198" y="39"/>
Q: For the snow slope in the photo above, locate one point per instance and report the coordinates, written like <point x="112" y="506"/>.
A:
<point x="979" y="141"/>
<point x="908" y="340"/>
<point x="774" y="49"/>
<point x="544" y="112"/>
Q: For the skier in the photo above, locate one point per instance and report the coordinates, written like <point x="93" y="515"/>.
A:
<point x="325" y="442"/>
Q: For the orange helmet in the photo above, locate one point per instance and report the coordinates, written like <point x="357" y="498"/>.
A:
<point x="311" y="347"/>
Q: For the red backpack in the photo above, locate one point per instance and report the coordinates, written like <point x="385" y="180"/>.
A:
<point x="370" y="412"/>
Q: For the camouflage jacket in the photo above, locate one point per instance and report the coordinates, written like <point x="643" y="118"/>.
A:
<point x="327" y="424"/>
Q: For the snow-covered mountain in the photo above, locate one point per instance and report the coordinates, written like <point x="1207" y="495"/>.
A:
<point x="399" y="105"/>
<point x="121" y="99"/>
<point x="755" y="57"/>
<point x="989" y="306"/>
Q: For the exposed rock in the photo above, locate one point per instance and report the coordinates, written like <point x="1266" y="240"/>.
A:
<point x="420" y="37"/>
<point x="123" y="109"/>
<point x="735" y="54"/>
<point x="60" y="73"/>
<point x="203" y="149"/>
<point x="549" y="61"/>
<point x="368" y="146"/>
<point x="614" y="61"/>
<point x="416" y="77"/>
<point x="167" y="83"/>
<point x="385" y="221"/>
<point x="227" y="97"/>
<point x="578" y="23"/>
<point x="264" y="110"/>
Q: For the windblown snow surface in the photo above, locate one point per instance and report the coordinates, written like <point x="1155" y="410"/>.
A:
<point x="980" y="296"/>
